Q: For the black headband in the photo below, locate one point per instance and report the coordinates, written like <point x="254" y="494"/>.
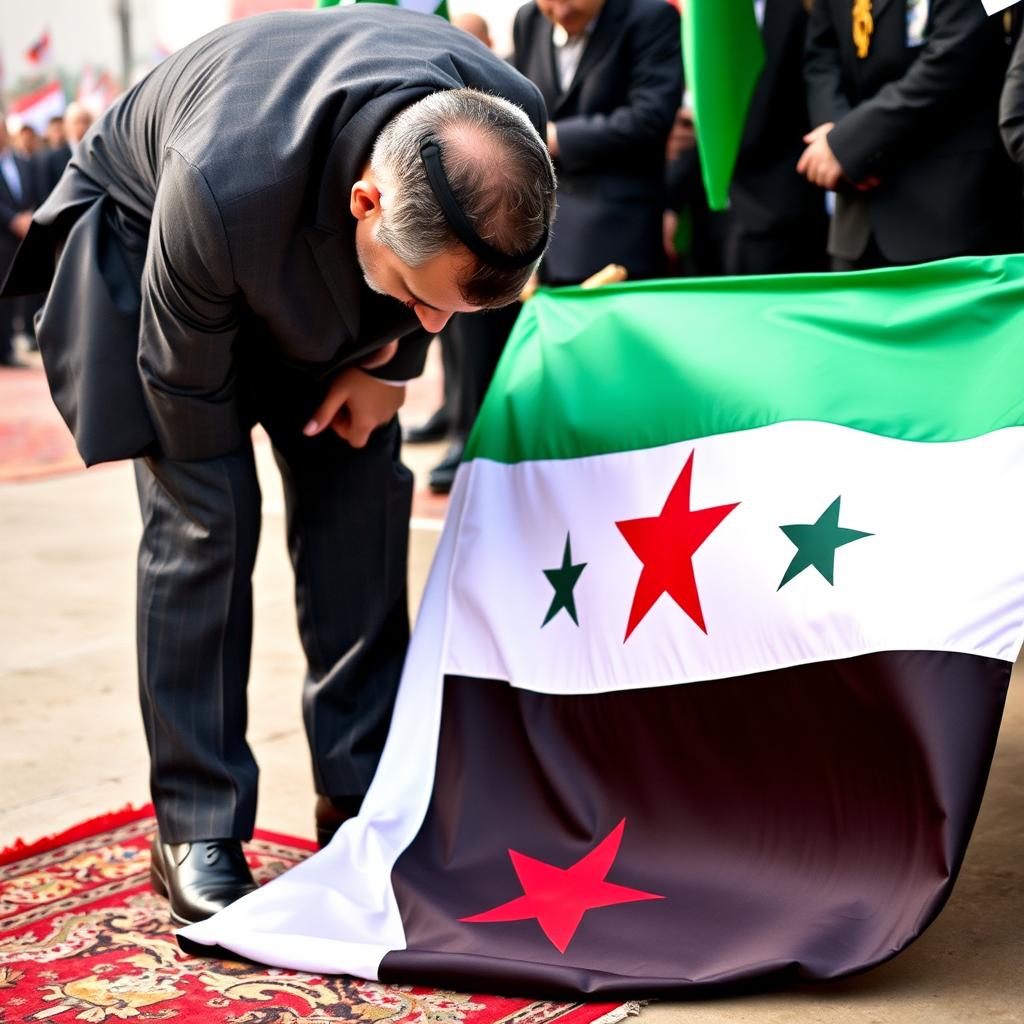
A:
<point x="430" y="153"/>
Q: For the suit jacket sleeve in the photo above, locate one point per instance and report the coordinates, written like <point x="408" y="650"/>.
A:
<point x="1011" y="108"/>
<point x="863" y="137"/>
<point x="408" y="361"/>
<point x="826" y="100"/>
<point x="586" y="141"/>
<point x="188" y="321"/>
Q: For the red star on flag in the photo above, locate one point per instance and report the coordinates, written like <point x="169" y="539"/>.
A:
<point x="666" y="544"/>
<point x="558" y="898"/>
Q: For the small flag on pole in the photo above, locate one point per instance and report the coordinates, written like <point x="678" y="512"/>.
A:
<point x="723" y="54"/>
<point x="40" y="52"/>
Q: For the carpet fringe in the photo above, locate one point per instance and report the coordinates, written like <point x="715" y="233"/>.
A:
<point x="620" y="1013"/>
<point x="19" y="849"/>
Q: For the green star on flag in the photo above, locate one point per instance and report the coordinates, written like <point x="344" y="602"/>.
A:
<point x="564" y="580"/>
<point x="817" y="542"/>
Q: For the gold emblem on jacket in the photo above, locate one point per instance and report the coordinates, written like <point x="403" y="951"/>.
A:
<point x="863" y="26"/>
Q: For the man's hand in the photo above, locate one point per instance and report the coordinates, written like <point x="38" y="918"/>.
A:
<point x="355" y="405"/>
<point x="683" y="135"/>
<point x="818" y="163"/>
<point x="669" y="227"/>
<point x="20" y="223"/>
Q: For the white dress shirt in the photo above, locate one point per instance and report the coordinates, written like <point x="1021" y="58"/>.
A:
<point x="568" y="52"/>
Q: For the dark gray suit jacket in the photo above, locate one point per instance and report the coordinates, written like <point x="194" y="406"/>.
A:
<point x="612" y="122"/>
<point x="767" y="196"/>
<point x="205" y="224"/>
<point x="921" y="118"/>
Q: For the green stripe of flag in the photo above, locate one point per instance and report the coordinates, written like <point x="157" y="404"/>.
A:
<point x="927" y="353"/>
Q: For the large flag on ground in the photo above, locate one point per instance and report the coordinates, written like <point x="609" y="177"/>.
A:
<point x="712" y="657"/>
<point x="723" y="55"/>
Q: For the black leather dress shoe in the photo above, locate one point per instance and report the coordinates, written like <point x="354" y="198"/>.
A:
<point x="199" y="878"/>
<point x="435" y="429"/>
<point x="442" y="476"/>
<point x="331" y="813"/>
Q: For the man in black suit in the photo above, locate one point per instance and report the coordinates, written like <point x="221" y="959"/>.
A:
<point x="17" y="200"/>
<point x="62" y="144"/>
<point x="776" y="222"/>
<point x="269" y="227"/>
<point x="904" y="96"/>
<point x="54" y="157"/>
<point x="610" y="72"/>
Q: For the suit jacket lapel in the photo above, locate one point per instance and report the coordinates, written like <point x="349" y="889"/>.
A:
<point x="878" y="6"/>
<point x="602" y="37"/>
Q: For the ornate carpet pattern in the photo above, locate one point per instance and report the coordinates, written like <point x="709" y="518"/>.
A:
<point x="82" y="938"/>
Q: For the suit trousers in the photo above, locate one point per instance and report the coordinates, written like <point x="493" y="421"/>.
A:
<point x="872" y="258"/>
<point x="347" y="520"/>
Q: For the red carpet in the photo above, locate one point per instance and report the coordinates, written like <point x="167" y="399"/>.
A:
<point x="33" y="439"/>
<point x="35" y="443"/>
<point x="82" y="938"/>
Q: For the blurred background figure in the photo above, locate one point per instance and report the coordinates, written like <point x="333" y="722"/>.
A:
<point x="475" y="25"/>
<point x="692" y="233"/>
<point x="55" y="137"/>
<point x="77" y="121"/>
<point x="18" y="198"/>
<point x="904" y="100"/>
<point x="776" y="222"/>
<point x="27" y="141"/>
<point x="74" y="124"/>
<point x="54" y="158"/>
<point x="610" y="72"/>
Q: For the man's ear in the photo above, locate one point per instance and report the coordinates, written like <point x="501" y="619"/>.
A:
<point x="364" y="200"/>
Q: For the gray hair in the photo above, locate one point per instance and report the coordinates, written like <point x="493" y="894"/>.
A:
<point x="499" y="171"/>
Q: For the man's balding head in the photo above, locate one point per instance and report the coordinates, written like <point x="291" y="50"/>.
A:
<point x="499" y="173"/>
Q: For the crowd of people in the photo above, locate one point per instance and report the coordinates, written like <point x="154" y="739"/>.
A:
<point x="30" y="166"/>
<point x="862" y="148"/>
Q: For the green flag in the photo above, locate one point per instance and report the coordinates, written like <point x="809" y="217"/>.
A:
<point x="723" y="54"/>
<point x="425" y="6"/>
